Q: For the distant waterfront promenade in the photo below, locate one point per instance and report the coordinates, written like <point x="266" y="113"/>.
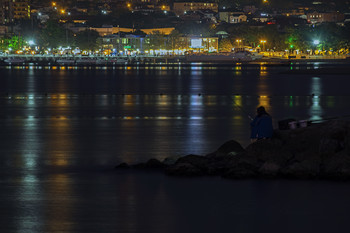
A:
<point x="11" y="59"/>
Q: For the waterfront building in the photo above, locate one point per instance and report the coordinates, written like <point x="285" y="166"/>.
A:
<point x="182" y="7"/>
<point x="3" y="30"/>
<point x="150" y="4"/>
<point x="4" y="11"/>
<point x="110" y="30"/>
<point x="200" y="16"/>
<point x="12" y="10"/>
<point x="128" y="43"/>
<point x="124" y="43"/>
<point x="298" y="12"/>
<point x="262" y="18"/>
<point x="232" y="17"/>
<point x="21" y="9"/>
<point x="322" y="17"/>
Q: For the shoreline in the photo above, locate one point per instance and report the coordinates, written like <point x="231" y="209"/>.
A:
<point x="116" y="61"/>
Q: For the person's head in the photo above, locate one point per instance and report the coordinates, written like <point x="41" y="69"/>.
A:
<point x="261" y="111"/>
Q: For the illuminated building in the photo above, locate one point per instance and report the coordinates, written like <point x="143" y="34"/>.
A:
<point x="182" y="7"/>
<point x="21" y="9"/>
<point x="232" y="17"/>
<point x="317" y="17"/>
<point x="143" y="44"/>
<point x="11" y="10"/>
<point x="5" y="12"/>
<point x="110" y="30"/>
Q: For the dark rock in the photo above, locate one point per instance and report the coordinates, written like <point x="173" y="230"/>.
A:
<point x="268" y="150"/>
<point x="122" y="166"/>
<point x="269" y="169"/>
<point x="304" y="169"/>
<point x="241" y="170"/>
<point x="198" y="161"/>
<point x="151" y="164"/>
<point x="337" y="166"/>
<point x="334" y="138"/>
<point x="189" y="165"/>
<point x="231" y="147"/>
<point x="171" y="160"/>
<point x="220" y="165"/>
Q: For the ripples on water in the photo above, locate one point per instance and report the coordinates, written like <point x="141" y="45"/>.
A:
<point x="65" y="128"/>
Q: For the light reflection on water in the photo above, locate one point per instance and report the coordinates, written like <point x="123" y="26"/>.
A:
<point x="62" y="127"/>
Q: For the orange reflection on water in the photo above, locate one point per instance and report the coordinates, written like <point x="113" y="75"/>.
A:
<point x="210" y="100"/>
<point x="263" y="71"/>
<point x="237" y="100"/>
<point x="59" y="138"/>
<point x="163" y="100"/>
<point x="264" y="101"/>
<point x="59" y="142"/>
<point x="128" y="100"/>
<point x="59" y="192"/>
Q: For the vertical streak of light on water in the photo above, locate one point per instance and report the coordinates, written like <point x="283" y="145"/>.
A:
<point x="316" y="110"/>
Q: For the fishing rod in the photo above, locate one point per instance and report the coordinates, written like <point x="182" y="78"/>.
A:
<point x="329" y="118"/>
<point x="241" y="108"/>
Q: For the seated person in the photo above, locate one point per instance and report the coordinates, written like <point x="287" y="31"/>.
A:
<point x="261" y="126"/>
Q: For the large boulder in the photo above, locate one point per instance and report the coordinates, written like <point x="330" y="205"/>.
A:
<point x="337" y="165"/>
<point x="241" y="169"/>
<point x="152" y="164"/>
<point x="189" y="165"/>
<point x="231" y="147"/>
<point x="269" y="150"/>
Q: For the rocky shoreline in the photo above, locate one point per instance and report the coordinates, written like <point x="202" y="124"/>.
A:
<point x="319" y="151"/>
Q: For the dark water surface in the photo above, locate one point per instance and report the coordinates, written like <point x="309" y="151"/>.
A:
<point x="64" y="129"/>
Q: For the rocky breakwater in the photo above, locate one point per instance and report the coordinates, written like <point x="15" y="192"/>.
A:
<point x="317" y="151"/>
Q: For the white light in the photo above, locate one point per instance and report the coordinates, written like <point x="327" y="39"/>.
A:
<point x="316" y="42"/>
<point x="165" y="12"/>
<point x="31" y="42"/>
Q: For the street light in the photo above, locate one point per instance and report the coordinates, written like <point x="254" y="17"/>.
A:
<point x="263" y="42"/>
<point x="316" y="43"/>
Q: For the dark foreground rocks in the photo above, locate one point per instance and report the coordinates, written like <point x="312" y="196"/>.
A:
<point x="317" y="151"/>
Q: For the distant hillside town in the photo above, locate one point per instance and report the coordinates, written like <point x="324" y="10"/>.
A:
<point x="131" y="27"/>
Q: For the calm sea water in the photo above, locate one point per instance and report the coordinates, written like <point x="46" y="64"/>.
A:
<point x="64" y="129"/>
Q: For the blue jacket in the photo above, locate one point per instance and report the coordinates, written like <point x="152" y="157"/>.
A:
<point x="261" y="127"/>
